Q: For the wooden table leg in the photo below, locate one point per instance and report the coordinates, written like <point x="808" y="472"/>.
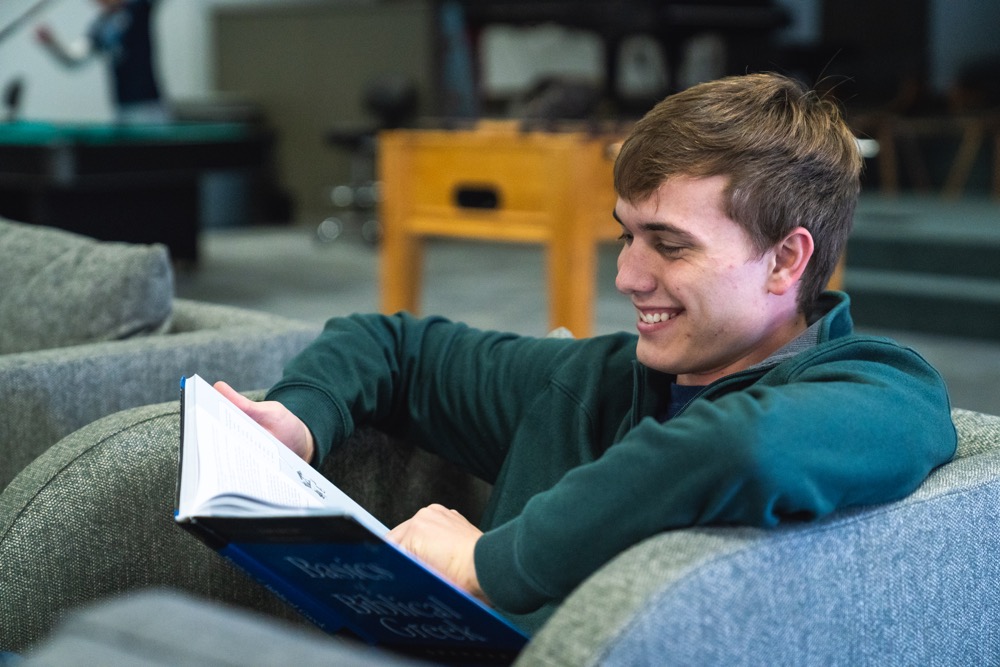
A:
<point x="958" y="175"/>
<point x="400" y="271"/>
<point x="400" y="251"/>
<point x="888" y="165"/>
<point x="572" y="274"/>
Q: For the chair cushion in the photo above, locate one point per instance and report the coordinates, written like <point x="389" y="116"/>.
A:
<point x="63" y="289"/>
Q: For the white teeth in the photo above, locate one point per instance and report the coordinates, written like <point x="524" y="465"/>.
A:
<point x="653" y="318"/>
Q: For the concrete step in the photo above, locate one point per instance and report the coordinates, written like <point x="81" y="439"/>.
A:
<point x="924" y="302"/>
<point x="935" y="254"/>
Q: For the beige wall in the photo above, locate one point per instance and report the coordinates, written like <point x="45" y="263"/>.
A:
<point x="305" y="64"/>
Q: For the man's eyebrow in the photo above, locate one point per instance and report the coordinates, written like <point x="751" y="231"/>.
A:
<point x="661" y="227"/>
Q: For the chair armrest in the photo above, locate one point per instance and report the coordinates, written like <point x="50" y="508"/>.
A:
<point x="51" y="393"/>
<point x="855" y="588"/>
<point x="92" y="517"/>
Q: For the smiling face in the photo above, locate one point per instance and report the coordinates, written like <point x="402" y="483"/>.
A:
<point x="708" y="303"/>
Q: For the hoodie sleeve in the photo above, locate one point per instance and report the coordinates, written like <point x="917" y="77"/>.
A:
<point x="446" y="387"/>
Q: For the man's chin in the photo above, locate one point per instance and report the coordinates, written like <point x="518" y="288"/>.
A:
<point x="654" y="358"/>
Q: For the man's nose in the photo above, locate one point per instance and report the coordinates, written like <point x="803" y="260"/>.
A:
<point x="634" y="275"/>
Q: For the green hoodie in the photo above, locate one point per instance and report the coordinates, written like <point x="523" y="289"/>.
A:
<point x="566" y="432"/>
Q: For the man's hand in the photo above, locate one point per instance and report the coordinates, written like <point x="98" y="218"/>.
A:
<point x="44" y="34"/>
<point x="275" y="418"/>
<point x="446" y="541"/>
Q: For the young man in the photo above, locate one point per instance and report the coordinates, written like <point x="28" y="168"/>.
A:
<point x="744" y="399"/>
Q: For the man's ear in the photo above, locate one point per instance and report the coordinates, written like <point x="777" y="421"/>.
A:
<point x="791" y="256"/>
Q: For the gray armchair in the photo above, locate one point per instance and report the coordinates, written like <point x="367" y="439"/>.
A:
<point x="88" y="329"/>
<point x="51" y="393"/>
<point x="911" y="582"/>
<point x="92" y="517"/>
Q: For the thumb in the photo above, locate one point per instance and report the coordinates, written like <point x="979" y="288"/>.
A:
<point x="234" y="397"/>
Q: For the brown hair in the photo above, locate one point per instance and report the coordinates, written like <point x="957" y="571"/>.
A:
<point x="790" y="158"/>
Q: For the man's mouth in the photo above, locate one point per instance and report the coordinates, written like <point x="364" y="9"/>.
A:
<point x="656" y="317"/>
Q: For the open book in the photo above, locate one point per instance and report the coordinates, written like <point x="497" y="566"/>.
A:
<point x="258" y="504"/>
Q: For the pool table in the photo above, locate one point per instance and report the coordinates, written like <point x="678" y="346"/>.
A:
<point x="136" y="183"/>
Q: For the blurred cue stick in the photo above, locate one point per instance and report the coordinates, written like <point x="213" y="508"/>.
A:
<point x="15" y="25"/>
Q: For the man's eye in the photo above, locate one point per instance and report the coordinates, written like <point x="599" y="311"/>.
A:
<point x="670" y="250"/>
<point x="625" y="238"/>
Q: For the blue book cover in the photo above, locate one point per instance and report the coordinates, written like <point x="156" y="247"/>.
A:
<point x="267" y="511"/>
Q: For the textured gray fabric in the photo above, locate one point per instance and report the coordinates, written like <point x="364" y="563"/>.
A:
<point x="50" y="393"/>
<point x="912" y="582"/>
<point x="164" y="628"/>
<point x="93" y="517"/>
<point x="64" y="289"/>
<point x="909" y="583"/>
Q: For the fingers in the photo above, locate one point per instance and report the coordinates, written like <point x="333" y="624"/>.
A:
<point x="444" y="540"/>
<point x="403" y="535"/>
